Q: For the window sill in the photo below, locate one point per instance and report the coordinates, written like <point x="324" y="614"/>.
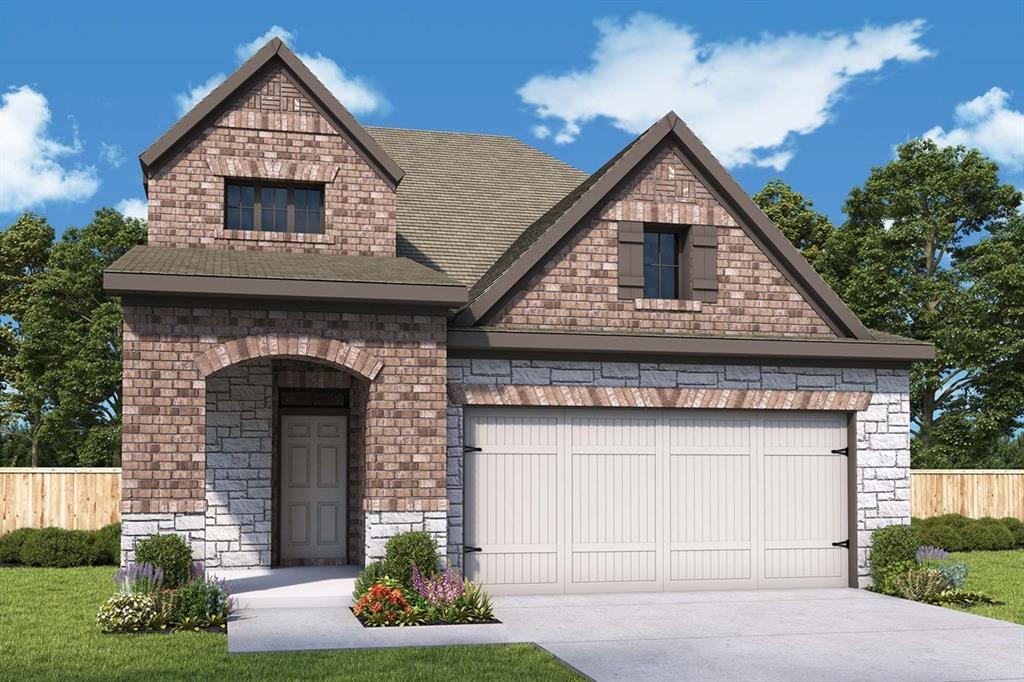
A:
<point x="287" y="237"/>
<point x="673" y="304"/>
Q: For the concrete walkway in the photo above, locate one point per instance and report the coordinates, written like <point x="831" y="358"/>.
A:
<point x="827" y="634"/>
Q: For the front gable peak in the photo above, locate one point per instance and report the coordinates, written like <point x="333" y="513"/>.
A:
<point x="275" y="55"/>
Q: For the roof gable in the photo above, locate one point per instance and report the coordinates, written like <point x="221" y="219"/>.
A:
<point x="275" y="54"/>
<point x="536" y="244"/>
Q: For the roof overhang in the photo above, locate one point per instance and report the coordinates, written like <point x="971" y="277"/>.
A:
<point x="685" y="348"/>
<point x="150" y="285"/>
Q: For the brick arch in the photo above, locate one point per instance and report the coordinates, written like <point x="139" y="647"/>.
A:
<point x="299" y="347"/>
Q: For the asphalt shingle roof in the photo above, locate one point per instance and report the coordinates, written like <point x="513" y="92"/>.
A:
<point x="166" y="260"/>
<point x="466" y="197"/>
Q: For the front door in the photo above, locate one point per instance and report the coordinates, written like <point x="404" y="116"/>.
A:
<point x="313" y="466"/>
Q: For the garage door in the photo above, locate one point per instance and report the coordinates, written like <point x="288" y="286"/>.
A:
<point x="607" y="500"/>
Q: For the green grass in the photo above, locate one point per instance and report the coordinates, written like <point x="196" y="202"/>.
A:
<point x="48" y="631"/>
<point x="1000" y="575"/>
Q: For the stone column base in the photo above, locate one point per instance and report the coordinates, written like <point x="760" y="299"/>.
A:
<point x="135" y="527"/>
<point x="381" y="526"/>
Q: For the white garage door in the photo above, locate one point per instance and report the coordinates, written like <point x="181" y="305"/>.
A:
<point x="605" y="500"/>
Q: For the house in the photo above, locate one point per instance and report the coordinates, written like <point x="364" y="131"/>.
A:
<point x="622" y="381"/>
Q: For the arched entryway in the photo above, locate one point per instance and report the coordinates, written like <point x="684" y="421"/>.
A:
<point x="284" y="442"/>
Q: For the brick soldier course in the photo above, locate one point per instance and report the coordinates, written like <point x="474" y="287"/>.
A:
<point x="369" y="306"/>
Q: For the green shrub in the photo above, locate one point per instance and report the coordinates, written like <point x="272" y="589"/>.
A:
<point x="374" y="572"/>
<point x="108" y="544"/>
<point x="405" y="550"/>
<point x="1015" y="526"/>
<point x="11" y="544"/>
<point x="200" y="601"/>
<point x="887" y="583"/>
<point x="891" y="545"/>
<point x="61" y="547"/>
<point x="129" y="612"/>
<point x="168" y="552"/>
<point x="956" y="533"/>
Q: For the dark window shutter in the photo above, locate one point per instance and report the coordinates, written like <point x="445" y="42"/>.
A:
<point x="631" y="259"/>
<point x="704" y="263"/>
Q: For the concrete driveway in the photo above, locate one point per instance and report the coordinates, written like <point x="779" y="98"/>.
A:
<point x="826" y="634"/>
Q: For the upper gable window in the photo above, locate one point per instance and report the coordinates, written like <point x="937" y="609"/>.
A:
<point x="273" y="207"/>
<point x="662" y="274"/>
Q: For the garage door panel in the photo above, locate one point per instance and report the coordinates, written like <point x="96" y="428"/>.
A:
<point x="513" y="511"/>
<point x="614" y="502"/>
<point x="709" y="515"/>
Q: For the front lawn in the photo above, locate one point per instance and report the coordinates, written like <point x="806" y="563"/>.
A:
<point x="1000" y="575"/>
<point x="48" y="631"/>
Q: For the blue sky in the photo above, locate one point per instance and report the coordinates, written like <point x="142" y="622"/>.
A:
<point x="814" y="93"/>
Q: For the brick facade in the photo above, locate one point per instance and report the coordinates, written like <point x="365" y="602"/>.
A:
<point x="272" y="132"/>
<point x="883" y="424"/>
<point x="577" y="288"/>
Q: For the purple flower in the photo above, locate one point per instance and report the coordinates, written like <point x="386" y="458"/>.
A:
<point x="439" y="590"/>
<point x="929" y="553"/>
<point x="141" y="578"/>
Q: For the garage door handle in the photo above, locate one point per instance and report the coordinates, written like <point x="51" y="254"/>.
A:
<point x="470" y="448"/>
<point x="466" y="549"/>
<point x="842" y="543"/>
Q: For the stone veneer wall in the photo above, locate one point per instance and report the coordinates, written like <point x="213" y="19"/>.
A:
<point x="883" y="429"/>
<point x="135" y="527"/>
<point x="239" y="433"/>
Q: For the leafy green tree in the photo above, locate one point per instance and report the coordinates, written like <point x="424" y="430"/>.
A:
<point x="933" y="250"/>
<point x="794" y="214"/>
<point x="66" y="339"/>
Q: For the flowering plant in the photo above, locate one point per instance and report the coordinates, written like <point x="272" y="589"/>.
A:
<point x="385" y="604"/>
<point x="929" y="553"/>
<point x="442" y="589"/>
<point x="139" y="579"/>
<point x="955" y="572"/>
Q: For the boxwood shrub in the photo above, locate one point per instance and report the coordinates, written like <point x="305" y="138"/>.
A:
<point x="61" y="547"/>
<point x="891" y="546"/>
<point x="405" y="550"/>
<point x="168" y="552"/>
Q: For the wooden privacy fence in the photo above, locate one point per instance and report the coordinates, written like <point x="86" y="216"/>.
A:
<point x="69" y="498"/>
<point x="971" y="492"/>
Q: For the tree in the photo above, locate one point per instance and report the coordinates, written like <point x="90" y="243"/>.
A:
<point x="794" y="214"/>
<point x="64" y="373"/>
<point x="932" y="250"/>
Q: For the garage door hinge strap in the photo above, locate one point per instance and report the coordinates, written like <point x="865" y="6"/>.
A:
<point x="845" y="452"/>
<point x="842" y="543"/>
<point x="466" y="549"/>
<point x="470" y="448"/>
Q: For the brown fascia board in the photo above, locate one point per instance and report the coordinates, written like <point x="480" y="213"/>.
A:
<point x="726" y="190"/>
<point x="749" y="351"/>
<point x="138" y="284"/>
<point x="328" y="105"/>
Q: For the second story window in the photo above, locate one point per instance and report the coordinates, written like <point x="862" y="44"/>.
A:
<point x="661" y="263"/>
<point x="267" y="207"/>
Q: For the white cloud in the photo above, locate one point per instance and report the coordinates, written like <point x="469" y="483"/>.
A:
<point x="246" y="50"/>
<point x="747" y="100"/>
<point x="541" y="132"/>
<point x="112" y="154"/>
<point x="988" y="123"/>
<point x="358" y="96"/>
<point x="133" y="208"/>
<point x="195" y="95"/>
<point x="30" y="161"/>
